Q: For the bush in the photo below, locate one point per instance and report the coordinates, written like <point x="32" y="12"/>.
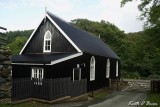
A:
<point x="133" y="75"/>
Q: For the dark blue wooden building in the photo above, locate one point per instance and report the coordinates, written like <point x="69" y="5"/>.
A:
<point x="56" y="49"/>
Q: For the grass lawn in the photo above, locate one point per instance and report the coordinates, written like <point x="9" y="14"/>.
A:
<point x="153" y="98"/>
<point x="100" y="95"/>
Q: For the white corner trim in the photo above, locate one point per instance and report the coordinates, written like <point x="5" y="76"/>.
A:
<point x="26" y="64"/>
<point x="64" y="34"/>
<point x="30" y="38"/>
<point x="65" y="58"/>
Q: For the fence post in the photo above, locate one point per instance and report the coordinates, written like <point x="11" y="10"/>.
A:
<point x="32" y="88"/>
<point x="50" y="89"/>
<point x="12" y="90"/>
<point x="69" y="86"/>
<point x="109" y="82"/>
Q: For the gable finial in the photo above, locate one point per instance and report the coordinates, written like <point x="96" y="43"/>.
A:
<point x="45" y="14"/>
<point x="45" y="10"/>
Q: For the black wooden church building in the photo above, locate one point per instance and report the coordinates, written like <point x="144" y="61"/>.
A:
<point x="56" y="49"/>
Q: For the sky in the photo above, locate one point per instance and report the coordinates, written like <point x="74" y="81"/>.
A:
<point x="27" y="14"/>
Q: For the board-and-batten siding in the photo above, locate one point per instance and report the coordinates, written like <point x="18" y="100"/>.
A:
<point x="59" y="42"/>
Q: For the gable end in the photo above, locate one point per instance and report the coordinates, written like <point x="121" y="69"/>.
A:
<point x="64" y="34"/>
<point x="60" y="43"/>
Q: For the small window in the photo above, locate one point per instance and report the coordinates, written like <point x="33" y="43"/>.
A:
<point x="37" y="73"/>
<point x="47" y="42"/>
<point x="76" y="74"/>
<point x="92" y="68"/>
<point x="116" y="68"/>
<point x="108" y="68"/>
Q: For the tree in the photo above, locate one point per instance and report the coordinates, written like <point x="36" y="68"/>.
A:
<point x="17" y="45"/>
<point x="150" y="11"/>
<point x="149" y="50"/>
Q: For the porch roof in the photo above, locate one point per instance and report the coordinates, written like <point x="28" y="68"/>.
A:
<point x="40" y="58"/>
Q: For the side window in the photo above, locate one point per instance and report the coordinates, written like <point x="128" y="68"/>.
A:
<point x="47" y="42"/>
<point x="116" y="68"/>
<point x="37" y="73"/>
<point x="92" y="68"/>
<point x="108" y="68"/>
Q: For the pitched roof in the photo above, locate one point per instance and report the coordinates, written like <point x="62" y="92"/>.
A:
<point x="85" y="41"/>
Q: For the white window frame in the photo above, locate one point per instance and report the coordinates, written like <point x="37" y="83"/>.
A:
<point x="116" y="68"/>
<point x="79" y="73"/>
<point x="92" y="68"/>
<point x="108" y="68"/>
<point x="37" y="73"/>
<point x="45" y="40"/>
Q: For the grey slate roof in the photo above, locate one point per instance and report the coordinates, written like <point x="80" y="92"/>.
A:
<point x="84" y="40"/>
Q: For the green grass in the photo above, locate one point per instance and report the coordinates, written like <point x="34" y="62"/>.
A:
<point x="153" y="98"/>
<point x="100" y="95"/>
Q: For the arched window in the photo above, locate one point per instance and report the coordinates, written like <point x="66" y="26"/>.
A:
<point x="92" y="68"/>
<point x="116" y="68"/>
<point x="108" y="68"/>
<point x="47" y="42"/>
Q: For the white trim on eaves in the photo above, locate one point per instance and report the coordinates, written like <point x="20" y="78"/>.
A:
<point x="52" y="62"/>
<point x="64" y="34"/>
<point x="30" y="38"/>
<point x="65" y="58"/>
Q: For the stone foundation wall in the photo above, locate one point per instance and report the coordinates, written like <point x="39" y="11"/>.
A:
<point x="5" y="72"/>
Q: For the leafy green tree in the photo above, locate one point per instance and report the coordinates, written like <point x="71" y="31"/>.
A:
<point x="150" y="11"/>
<point x="13" y="34"/>
<point x="17" y="45"/>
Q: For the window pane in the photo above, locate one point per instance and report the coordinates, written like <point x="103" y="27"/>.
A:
<point x="116" y="68"/>
<point x="35" y="73"/>
<point x="92" y="68"/>
<point x="39" y="74"/>
<point x="108" y="68"/>
<point x="48" y="35"/>
<point x="47" y="45"/>
<point x="47" y="41"/>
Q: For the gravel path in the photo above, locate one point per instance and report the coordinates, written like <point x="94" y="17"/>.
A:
<point x="132" y="96"/>
<point x="123" y="99"/>
<point x="117" y="99"/>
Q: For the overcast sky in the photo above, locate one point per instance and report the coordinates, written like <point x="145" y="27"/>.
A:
<point x="27" y="14"/>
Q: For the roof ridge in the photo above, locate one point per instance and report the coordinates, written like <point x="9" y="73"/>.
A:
<point x="72" y="25"/>
<point x="57" y="16"/>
